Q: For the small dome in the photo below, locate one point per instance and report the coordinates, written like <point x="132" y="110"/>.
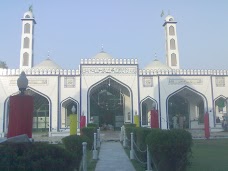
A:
<point x="156" y="64"/>
<point x="28" y="14"/>
<point x="169" y="18"/>
<point x="47" y="64"/>
<point x="103" y="55"/>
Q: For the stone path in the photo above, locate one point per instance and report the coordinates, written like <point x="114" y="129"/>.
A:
<point x="113" y="157"/>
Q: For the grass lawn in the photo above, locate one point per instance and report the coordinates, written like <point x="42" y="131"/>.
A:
<point x="210" y="155"/>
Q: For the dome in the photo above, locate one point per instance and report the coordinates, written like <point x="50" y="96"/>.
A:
<point x="103" y="55"/>
<point x="156" y="64"/>
<point x="47" y="64"/>
<point x="28" y="14"/>
<point x="169" y="18"/>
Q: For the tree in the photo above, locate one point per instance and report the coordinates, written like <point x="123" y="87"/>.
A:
<point x="3" y="65"/>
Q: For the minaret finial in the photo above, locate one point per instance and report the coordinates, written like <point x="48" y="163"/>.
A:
<point x="30" y="8"/>
<point x="102" y="48"/>
<point x="48" y="54"/>
<point x="155" y="55"/>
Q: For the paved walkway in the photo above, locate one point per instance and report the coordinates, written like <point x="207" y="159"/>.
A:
<point x="113" y="157"/>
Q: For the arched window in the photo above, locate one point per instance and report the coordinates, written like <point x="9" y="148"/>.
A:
<point x="171" y="31"/>
<point x="172" y="44"/>
<point x="25" y="59"/>
<point x="171" y="19"/>
<point x="173" y="59"/>
<point x="27" y="16"/>
<point x="27" y="28"/>
<point x="26" y="42"/>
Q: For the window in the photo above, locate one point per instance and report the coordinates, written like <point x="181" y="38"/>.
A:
<point x="27" y="16"/>
<point x="26" y="42"/>
<point x="171" y="31"/>
<point x="172" y="44"/>
<point x="25" y="59"/>
<point x="173" y="59"/>
<point x="27" y="28"/>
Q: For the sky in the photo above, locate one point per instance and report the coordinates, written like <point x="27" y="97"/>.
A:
<point x="74" y="29"/>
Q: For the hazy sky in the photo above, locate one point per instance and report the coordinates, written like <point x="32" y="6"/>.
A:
<point x="75" y="29"/>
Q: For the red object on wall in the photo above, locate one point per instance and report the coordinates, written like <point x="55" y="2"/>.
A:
<point x="206" y="125"/>
<point x="154" y="122"/>
<point x="82" y="121"/>
<point x="20" y="116"/>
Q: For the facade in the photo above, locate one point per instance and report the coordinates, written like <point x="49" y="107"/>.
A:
<point x="111" y="91"/>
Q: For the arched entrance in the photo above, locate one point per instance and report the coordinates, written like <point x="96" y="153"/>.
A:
<point x="110" y="103"/>
<point x="66" y="110"/>
<point x="186" y="108"/>
<point x="221" y="107"/>
<point x="41" y="112"/>
<point x="146" y="105"/>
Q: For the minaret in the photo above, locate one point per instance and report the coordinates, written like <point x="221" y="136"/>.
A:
<point x="172" y="52"/>
<point x="27" y="40"/>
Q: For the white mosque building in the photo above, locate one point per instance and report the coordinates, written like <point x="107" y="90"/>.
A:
<point x="112" y="91"/>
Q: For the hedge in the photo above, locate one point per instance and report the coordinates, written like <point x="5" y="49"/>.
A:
<point x="170" y="149"/>
<point x="89" y="132"/>
<point x="34" y="157"/>
<point x="73" y="144"/>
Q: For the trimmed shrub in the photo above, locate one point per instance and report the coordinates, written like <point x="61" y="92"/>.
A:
<point x="73" y="144"/>
<point x="94" y="125"/>
<point x="129" y="128"/>
<point x="34" y="157"/>
<point x="89" y="132"/>
<point x="170" y="149"/>
<point x="140" y="139"/>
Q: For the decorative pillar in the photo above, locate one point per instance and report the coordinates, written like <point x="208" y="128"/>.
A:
<point x="21" y="111"/>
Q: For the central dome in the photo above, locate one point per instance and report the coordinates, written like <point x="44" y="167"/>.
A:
<point x="156" y="64"/>
<point x="103" y="55"/>
<point x="47" y="64"/>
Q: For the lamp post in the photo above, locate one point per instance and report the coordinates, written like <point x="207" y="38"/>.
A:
<point x="22" y="82"/>
<point x="20" y="111"/>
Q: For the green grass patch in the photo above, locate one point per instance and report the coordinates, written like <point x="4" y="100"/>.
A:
<point x="209" y="155"/>
<point x="138" y="166"/>
<point x="91" y="163"/>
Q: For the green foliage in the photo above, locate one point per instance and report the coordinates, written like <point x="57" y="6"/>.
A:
<point x="89" y="132"/>
<point x="34" y="157"/>
<point x="170" y="149"/>
<point x="94" y="125"/>
<point x="129" y="125"/>
<point x="140" y="139"/>
<point x="129" y="128"/>
<point x="3" y="65"/>
<point x="73" y="144"/>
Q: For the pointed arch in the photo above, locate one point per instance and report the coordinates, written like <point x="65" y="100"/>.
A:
<point x="146" y="105"/>
<point x="172" y="44"/>
<point x="6" y="108"/>
<point x="173" y="59"/>
<point x="26" y="42"/>
<point x="25" y="59"/>
<point x="112" y="86"/>
<point x="194" y="103"/>
<point x="27" y="28"/>
<point x="220" y="108"/>
<point x="171" y="31"/>
<point x="65" y="110"/>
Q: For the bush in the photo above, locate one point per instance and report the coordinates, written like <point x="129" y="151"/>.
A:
<point x="73" y="144"/>
<point x="171" y="149"/>
<point x="140" y="139"/>
<point x="89" y="132"/>
<point x="129" y="128"/>
<point x="94" y="125"/>
<point x="34" y="157"/>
